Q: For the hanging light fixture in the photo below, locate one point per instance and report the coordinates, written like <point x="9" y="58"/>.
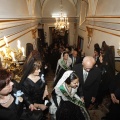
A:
<point x="61" y="21"/>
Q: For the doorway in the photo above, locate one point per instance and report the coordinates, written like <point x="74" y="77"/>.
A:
<point x="80" y="43"/>
<point x="58" y="36"/>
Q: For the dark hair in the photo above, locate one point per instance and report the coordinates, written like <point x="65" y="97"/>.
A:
<point x="97" y="48"/>
<point x="65" y="52"/>
<point x="5" y="77"/>
<point x="34" y="54"/>
<point x="76" y="50"/>
<point x="37" y="65"/>
<point x="72" y="77"/>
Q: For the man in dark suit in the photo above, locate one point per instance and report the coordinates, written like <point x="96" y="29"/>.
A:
<point x="75" y="58"/>
<point x="89" y="77"/>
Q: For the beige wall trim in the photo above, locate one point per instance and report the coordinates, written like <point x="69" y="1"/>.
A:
<point x="104" y="27"/>
<point x="102" y="21"/>
<point x="19" y="32"/>
<point x="16" y="19"/>
<point x="16" y="25"/>
<point x="85" y="1"/>
<point x="18" y="36"/>
<point x="107" y="32"/>
<point x="82" y="29"/>
<point x="103" y="16"/>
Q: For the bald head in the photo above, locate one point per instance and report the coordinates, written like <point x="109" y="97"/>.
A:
<point x="88" y="63"/>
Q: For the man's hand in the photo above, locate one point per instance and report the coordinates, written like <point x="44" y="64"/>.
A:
<point x="93" y="99"/>
<point x="114" y="99"/>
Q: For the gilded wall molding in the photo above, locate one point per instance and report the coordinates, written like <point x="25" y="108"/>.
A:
<point x="9" y="29"/>
<point x="18" y="35"/>
<point x="90" y="31"/>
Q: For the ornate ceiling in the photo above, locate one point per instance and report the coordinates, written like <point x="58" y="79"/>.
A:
<point x="74" y="2"/>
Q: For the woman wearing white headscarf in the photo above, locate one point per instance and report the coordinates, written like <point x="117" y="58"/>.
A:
<point x="66" y="104"/>
<point x="63" y="64"/>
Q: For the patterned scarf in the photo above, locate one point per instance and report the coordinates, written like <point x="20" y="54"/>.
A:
<point x="64" y="65"/>
<point x="76" y="101"/>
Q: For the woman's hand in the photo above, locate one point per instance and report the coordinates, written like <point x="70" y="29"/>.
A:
<point x="42" y="107"/>
<point x="32" y="107"/>
<point x="82" y="99"/>
<point x="36" y="105"/>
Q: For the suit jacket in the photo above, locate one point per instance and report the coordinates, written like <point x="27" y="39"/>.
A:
<point x="76" y="62"/>
<point x="90" y="86"/>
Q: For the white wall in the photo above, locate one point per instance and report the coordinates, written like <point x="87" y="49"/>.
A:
<point x="104" y="19"/>
<point x="99" y="37"/>
<point x="108" y="7"/>
<point x="16" y="22"/>
<point x="13" y="8"/>
<point x="38" y="10"/>
<point x="52" y="7"/>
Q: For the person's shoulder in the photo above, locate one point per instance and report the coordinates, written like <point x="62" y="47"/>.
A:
<point x="26" y="81"/>
<point x="59" y="60"/>
<point x="78" y="65"/>
<point x="97" y="69"/>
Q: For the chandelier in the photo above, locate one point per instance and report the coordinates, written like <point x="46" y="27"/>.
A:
<point x="61" y="21"/>
<point x="12" y="59"/>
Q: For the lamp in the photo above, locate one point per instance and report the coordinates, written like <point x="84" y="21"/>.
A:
<point x="61" y="21"/>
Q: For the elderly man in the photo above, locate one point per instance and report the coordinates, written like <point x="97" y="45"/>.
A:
<point x="89" y="77"/>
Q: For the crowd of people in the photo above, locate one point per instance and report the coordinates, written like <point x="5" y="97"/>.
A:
<point x="80" y="81"/>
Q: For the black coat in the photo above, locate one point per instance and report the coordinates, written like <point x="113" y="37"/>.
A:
<point x="13" y="112"/>
<point x="90" y="86"/>
<point x="76" y="62"/>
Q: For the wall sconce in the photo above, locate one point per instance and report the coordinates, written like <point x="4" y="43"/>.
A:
<point x="34" y="33"/>
<point x="118" y="50"/>
<point x="90" y="34"/>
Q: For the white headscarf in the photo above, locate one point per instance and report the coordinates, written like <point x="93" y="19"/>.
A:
<point x="63" y="78"/>
<point x="69" y="60"/>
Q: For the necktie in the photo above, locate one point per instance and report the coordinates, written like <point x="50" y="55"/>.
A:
<point x="85" y="76"/>
<point x="74" y="60"/>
